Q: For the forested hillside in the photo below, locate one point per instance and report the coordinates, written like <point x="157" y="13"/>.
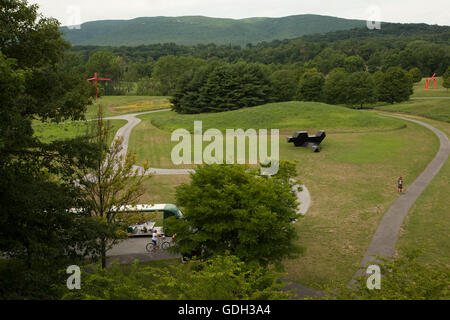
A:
<point x="191" y="30"/>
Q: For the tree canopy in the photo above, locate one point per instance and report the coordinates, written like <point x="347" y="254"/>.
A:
<point x="232" y="208"/>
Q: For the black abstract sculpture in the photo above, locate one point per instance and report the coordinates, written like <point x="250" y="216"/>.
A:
<point x="302" y="139"/>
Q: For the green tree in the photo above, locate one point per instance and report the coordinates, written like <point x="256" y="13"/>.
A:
<point x="394" y="85"/>
<point x="361" y="89"/>
<point x="114" y="183"/>
<point x="354" y="64"/>
<point x="335" y="88"/>
<point x="232" y="208"/>
<point x="446" y="78"/>
<point x="415" y="74"/>
<point x="310" y="86"/>
<point x="168" y="70"/>
<point x="327" y="60"/>
<point x="284" y="85"/>
<point x="220" y="278"/>
<point x="222" y="87"/>
<point x="106" y="65"/>
<point x="39" y="233"/>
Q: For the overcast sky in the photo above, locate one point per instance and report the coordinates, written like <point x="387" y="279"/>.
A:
<point x="72" y="12"/>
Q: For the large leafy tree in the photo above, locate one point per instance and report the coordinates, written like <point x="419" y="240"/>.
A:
<point x="415" y="74"/>
<point x="335" y="89"/>
<point x="232" y="208"/>
<point x="37" y="230"/>
<point x="168" y="70"/>
<point x="354" y="64"/>
<point x="311" y="85"/>
<point x="361" y="89"/>
<point x="395" y="85"/>
<point x="284" y="85"/>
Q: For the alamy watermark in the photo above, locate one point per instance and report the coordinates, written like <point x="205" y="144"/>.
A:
<point x="74" y="280"/>
<point x="73" y="20"/>
<point x="213" y="153"/>
<point x="374" y="280"/>
<point x="373" y="18"/>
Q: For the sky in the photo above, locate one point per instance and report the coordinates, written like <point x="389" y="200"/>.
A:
<point x="74" y="12"/>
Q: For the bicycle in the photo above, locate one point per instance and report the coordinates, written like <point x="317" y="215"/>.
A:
<point x="164" y="245"/>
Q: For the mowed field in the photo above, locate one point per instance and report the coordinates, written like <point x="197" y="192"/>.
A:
<point x="352" y="181"/>
<point x="440" y="91"/>
<point x="118" y="105"/>
<point x="48" y="132"/>
<point x="432" y="103"/>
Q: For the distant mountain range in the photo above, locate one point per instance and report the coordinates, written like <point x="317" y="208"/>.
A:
<point x="192" y="30"/>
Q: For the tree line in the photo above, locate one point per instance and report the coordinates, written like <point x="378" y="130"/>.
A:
<point x="170" y="69"/>
<point x="395" y="45"/>
<point x="219" y="86"/>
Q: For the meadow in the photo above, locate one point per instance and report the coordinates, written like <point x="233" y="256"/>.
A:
<point x="48" y="131"/>
<point x="420" y="92"/>
<point x="432" y="103"/>
<point x="118" y="105"/>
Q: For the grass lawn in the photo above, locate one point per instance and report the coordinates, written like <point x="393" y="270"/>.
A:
<point x="161" y="189"/>
<point x="48" y="131"/>
<point x="287" y="115"/>
<point x="437" y="109"/>
<point x="352" y="181"/>
<point x="117" y="105"/>
<point x="419" y="89"/>
<point x="150" y="140"/>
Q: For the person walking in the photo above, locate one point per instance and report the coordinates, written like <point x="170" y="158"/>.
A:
<point x="400" y="185"/>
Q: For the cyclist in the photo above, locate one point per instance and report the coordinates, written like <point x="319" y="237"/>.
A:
<point x="155" y="237"/>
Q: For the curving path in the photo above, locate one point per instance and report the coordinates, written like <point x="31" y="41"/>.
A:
<point x="386" y="235"/>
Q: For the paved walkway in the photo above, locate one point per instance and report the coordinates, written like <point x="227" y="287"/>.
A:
<point x="386" y="235"/>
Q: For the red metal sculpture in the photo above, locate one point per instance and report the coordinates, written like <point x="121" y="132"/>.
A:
<point x="428" y="81"/>
<point x="96" y="79"/>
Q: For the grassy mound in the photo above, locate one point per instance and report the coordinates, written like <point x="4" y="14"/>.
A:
<point x="286" y="116"/>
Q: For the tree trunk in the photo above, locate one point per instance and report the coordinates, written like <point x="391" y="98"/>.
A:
<point x="103" y="253"/>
